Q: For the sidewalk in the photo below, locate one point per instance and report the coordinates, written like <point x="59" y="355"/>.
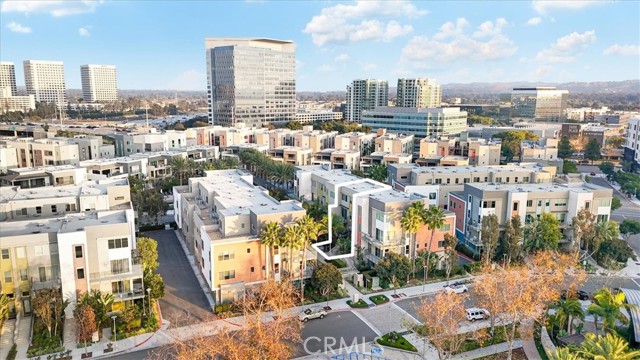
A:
<point x="6" y="337"/>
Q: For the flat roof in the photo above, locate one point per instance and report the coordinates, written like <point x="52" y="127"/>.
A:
<point x="62" y="224"/>
<point x="469" y="168"/>
<point x="395" y="195"/>
<point x="539" y="187"/>
<point x="99" y="187"/>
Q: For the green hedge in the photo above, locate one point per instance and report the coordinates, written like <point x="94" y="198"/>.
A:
<point x="379" y="299"/>
<point x="12" y="353"/>
<point x="397" y="341"/>
<point x="339" y="263"/>
<point x="360" y="304"/>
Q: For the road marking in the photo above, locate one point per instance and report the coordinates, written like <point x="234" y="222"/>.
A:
<point x="409" y="315"/>
<point x="635" y="281"/>
<point x="367" y="322"/>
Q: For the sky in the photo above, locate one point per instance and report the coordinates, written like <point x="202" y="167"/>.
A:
<point x="160" y="44"/>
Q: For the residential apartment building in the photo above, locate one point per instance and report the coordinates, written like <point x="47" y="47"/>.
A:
<point x="453" y="178"/>
<point x="546" y="104"/>
<point x="384" y="158"/>
<point x="9" y="103"/>
<point x="8" y="77"/>
<point x="529" y="202"/>
<point x="356" y="141"/>
<point x="76" y="237"/>
<point x="41" y="152"/>
<point x="293" y="155"/>
<point x="315" y="140"/>
<point x="543" y="149"/>
<point x="420" y="122"/>
<point x="546" y="130"/>
<point x="632" y="143"/>
<point x="365" y="94"/>
<point x="394" y="143"/>
<point x="479" y="152"/>
<point x="29" y="178"/>
<point x="132" y="143"/>
<point x="338" y="159"/>
<point x="45" y="80"/>
<point x="251" y="81"/>
<point x="373" y="209"/>
<point x="221" y="217"/>
<point x="8" y="158"/>
<point x="585" y="114"/>
<point x="581" y="134"/>
<point x="419" y="93"/>
<point x="99" y="83"/>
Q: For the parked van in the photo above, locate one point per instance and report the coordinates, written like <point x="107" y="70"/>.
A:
<point x="474" y="314"/>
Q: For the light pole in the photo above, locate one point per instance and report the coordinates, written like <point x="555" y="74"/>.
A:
<point x="424" y="273"/>
<point x="115" y="330"/>
<point x="149" y="293"/>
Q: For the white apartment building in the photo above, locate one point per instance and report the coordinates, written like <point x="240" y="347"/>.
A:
<point x="8" y="78"/>
<point x="479" y="152"/>
<point x="34" y="177"/>
<point x="632" y="142"/>
<point x="99" y="83"/>
<point x="133" y="143"/>
<point x="365" y="94"/>
<point x="419" y="93"/>
<point x="221" y="217"/>
<point x="45" y="80"/>
<point x="77" y="237"/>
<point x="543" y="149"/>
<point x="9" y="103"/>
<point x="420" y="122"/>
<point x="310" y="116"/>
<point x="41" y="152"/>
<point x="251" y="81"/>
<point x="8" y="158"/>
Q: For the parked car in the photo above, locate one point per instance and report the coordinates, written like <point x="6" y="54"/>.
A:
<point x="458" y="289"/>
<point x="474" y="314"/>
<point x="593" y="173"/>
<point x="580" y="294"/>
<point x="312" y="313"/>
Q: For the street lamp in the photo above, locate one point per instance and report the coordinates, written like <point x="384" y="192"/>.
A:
<point x="149" y="293"/>
<point x="115" y="330"/>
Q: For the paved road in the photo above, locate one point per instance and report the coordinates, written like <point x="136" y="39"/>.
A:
<point x="629" y="209"/>
<point x="183" y="301"/>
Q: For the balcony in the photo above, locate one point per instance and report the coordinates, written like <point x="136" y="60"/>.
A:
<point x="131" y="295"/>
<point x="38" y="285"/>
<point x="136" y="271"/>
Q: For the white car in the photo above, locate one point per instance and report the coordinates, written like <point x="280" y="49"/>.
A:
<point x="458" y="289"/>
<point x="310" y="314"/>
<point x="474" y="314"/>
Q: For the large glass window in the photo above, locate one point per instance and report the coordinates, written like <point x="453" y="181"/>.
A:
<point x="119" y="266"/>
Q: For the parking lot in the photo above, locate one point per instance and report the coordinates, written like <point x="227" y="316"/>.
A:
<point x="183" y="302"/>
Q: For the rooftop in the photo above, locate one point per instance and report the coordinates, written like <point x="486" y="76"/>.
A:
<point x="63" y="224"/>
<point x="395" y="196"/>
<point x="472" y="169"/>
<point x="15" y="193"/>
<point x="541" y="187"/>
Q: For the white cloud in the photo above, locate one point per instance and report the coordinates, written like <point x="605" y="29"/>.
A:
<point x="369" y="67"/>
<point x="543" y="71"/>
<point x="54" y="7"/>
<point x="617" y="49"/>
<point x="15" y="27"/>
<point x="544" y="7"/>
<point x="325" y="68"/>
<point x="84" y="31"/>
<point x="341" y="58"/>
<point x="534" y="21"/>
<point x="565" y="49"/>
<point x="361" y="21"/>
<point x="452" y="43"/>
<point x="189" y="80"/>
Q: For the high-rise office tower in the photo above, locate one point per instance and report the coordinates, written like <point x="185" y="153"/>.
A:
<point x="8" y="77"/>
<point x="539" y="104"/>
<point x="45" y="80"/>
<point x="365" y="94"/>
<point x="251" y="81"/>
<point x="419" y="93"/>
<point x="99" y="83"/>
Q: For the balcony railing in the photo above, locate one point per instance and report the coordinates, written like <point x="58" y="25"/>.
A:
<point x="136" y="270"/>
<point x="130" y="295"/>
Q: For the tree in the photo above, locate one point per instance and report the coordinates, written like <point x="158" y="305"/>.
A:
<point x="615" y="203"/>
<point x="592" y="150"/>
<point x="607" y="168"/>
<point x="294" y="125"/>
<point x="582" y="228"/>
<point x="607" y="306"/>
<point x="42" y="304"/>
<point x="148" y="250"/>
<point x="629" y="227"/>
<point x="378" y="173"/>
<point x="270" y="238"/>
<point x="565" y="149"/>
<point x="450" y="253"/>
<point x="569" y="167"/>
<point x="442" y="316"/>
<point x="156" y="284"/>
<point x="489" y="233"/>
<point x="127" y="316"/>
<point x="511" y="142"/>
<point x="608" y="347"/>
<point x="567" y="310"/>
<point x="411" y="220"/>
<point x="564" y="354"/>
<point x="606" y="232"/>
<point x="292" y="239"/>
<point x="326" y="278"/>
<point x="394" y="268"/>
<point x="511" y="241"/>
<point x="543" y="234"/>
<point x="178" y="168"/>
<point x="615" y="142"/>
<point x="4" y="307"/>
<point x="85" y="324"/>
<point x="434" y="218"/>
<point x="310" y="230"/>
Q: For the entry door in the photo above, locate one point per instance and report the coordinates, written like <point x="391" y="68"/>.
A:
<point x="26" y="305"/>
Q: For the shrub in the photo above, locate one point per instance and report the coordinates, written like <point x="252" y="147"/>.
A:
<point x="339" y="263"/>
<point x="473" y="268"/>
<point x="360" y="304"/>
<point x="468" y="252"/>
<point x="379" y="299"/>
<point x="223" y="308"/>
<point x="397" y="341"/>
<point x="151" y="227"/>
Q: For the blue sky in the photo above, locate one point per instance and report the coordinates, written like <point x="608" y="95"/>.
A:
<point x="160" y="44"/>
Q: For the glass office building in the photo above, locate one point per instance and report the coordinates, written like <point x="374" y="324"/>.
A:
<point x="545" y="104"/>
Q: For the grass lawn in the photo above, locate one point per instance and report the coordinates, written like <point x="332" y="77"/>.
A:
<point x="379" y="299"/>
<point x="339" y="263"/>
<point x="360" y="304"/>
<point x="396" y="341"/>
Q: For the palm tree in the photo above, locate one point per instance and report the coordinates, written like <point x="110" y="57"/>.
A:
<point x="270" y="237"/>
<point x="605" y="231"/>
<point x="4" y="307"/>
<point x="410" y="222"/>
<point x="567" y="310"/>
<point x="608" y="347"/>
<point x="607" y="306"/>
<point x="191" y="167"/>
<point x="292" y="239"/>
<point x="434" y="218"/>
<point x="564" y="354"/>
<point x="310" y="230"/>
<point x="178" y="167"/>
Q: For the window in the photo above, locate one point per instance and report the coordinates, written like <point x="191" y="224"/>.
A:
<point x="117" y="287"/>
<point x="42" y="272"/>
<point x="448" y="180"/>
<point x="515" y="206"/>
<point x="476" y="179"/>
<point x="515" y="179"/>
<point x="406" y="249"/>
<point x="525" y="179"/>
<point x="508" y="179"/>
<point x="445" y="227"/>
<point x="40" y="250"/>
<point x="498" y="180"/>
<point x="547" y="203"/>
<point x="24" y="275"/>
<point x="7" y="277"/>
<point x="440" y="244"/>
<point x="20" y="252"/>
<point x="226" y="255"/>
<point x="561" y="203"/>
<point x="119" y="266"/>
<point x="119" y="198"/>
<point x="80" y="273"/>
<point x="248" y="251"/>
<point x="5" y="254"/>
<point x="379" y="234"/>
<point x="379" y="216"/>
<point x="432" y="196"/>
<point x="71" y="207"/>
<point x="466" y="180"/>
<point x="457" y="180"/>
<point x="118" y="243"/>
<point x="229" y="274"/>
<point x="38" y="209"/>
<point x="539" y="202"/>
<point x="493" y="204"/>
<point x="54" y="208"/>
<point x="587" y="205"/>
<point x="78" y="251"/>
<point x="438" y="181"/>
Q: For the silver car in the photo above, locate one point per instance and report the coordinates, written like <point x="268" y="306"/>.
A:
<point x="309" y="314"/>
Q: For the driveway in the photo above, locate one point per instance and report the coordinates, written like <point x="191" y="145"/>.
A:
<point x="183" y="302"/>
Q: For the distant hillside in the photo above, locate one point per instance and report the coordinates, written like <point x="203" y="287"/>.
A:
<point x="600" y="87"/>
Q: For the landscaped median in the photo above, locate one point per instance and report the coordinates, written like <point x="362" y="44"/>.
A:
<point x="379" y="299"/>
<point x="397" y="341"/>
<point x="359" y="304"/>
